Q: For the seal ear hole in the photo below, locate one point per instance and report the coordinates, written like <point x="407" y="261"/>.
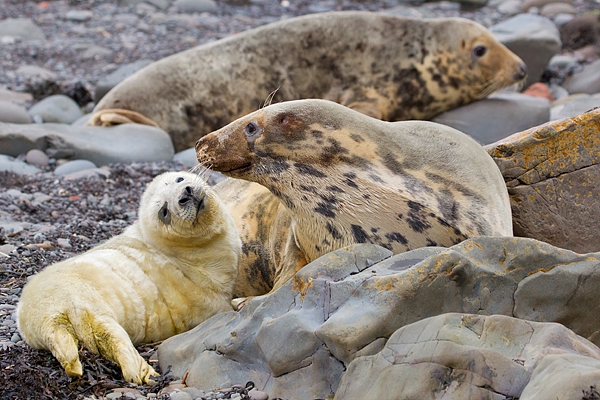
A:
<point x="479" y="50"/>
<point x="164" y="215"/>
<point x="179" y="179"/>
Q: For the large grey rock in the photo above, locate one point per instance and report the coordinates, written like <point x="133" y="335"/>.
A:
<point x="585" y="81"/>
<point x="101" y="145"/>
<point x="465" y="356"/>
<point x="533" y="38"/>
<point x="297" y="342"/>
<point x="498" y="116"/>
<point x="57" y="108"/>
<point x="23" y="28"/>
<point x="553" y="177"/>
<point x="111" y="80"/>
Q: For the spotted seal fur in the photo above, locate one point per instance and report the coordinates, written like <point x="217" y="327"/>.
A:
<point x="163" y="275"/>
<point x="386" y="66"/>
<point x="322" y="176"/>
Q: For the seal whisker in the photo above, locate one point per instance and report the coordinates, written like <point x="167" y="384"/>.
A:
<point x="269" y="98"/>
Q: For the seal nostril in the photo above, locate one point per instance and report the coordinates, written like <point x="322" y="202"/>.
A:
<point x="184" y="200"/>
<point x="522" y="73"/>
<point x="188" y="190"/>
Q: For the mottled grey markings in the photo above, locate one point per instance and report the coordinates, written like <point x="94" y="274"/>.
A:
<point x="325" y="209"/>
<point x="416" y="217"/>
<point x="357" y="138"/>
<point x="359" y="234"/>
<point x="333" y="188"/>
<point x="396" y="237"/>
<point x="448" y="183"/>
<point x="350" y="176"/>
<point x="306" y="169"/>
<point x="333" y="231"/>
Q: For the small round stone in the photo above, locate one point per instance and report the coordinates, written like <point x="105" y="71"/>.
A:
<point x="37" y="157"/>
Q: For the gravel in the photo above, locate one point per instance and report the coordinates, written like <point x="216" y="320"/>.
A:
<point x="45" y="218"/>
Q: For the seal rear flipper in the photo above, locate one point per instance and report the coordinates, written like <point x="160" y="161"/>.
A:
<point x="113" y="343"/>
<point x="63" y="345"/>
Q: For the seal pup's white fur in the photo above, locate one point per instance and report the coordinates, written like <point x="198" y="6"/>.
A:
<point x="165" y="274"/>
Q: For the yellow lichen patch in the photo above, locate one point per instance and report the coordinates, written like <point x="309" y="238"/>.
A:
<point x="301" y="286"/>
<point x="383" y="284"/>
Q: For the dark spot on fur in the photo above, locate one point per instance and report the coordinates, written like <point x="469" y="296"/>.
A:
<point x="376" y="178"/>
<point x="306" y="169"/>
<point x="400" y="216"/>
<point x="396" y="237"/>
<point x="355" y="160"/>
<point x="333" y="231"/>
<point x="366" y="196"/>
<point x="374" y="230"/>
<point x="448" y="206"/>
<point x="392" y="163"/>
<point x="351" y="183"/>
<point x="325" y="209"/>
<point x="316" y="133"/>
<point x="357" y="138"/>
<point x="310" y="189"/>
<point x="431" y="243"/>
<point x="336" y="189"/>
<point x="415" y="217"/>
<point x="359" y="234"/>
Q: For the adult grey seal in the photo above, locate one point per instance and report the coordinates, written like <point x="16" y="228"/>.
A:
<point x="166" y="273"/>
<point x="385" y="66"/>
<point x="322" y="176"/>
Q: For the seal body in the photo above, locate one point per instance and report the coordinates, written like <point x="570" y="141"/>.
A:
<point x="172" y="269"/>
<point x="385" y="66"/>
<point x="342" y="177"/>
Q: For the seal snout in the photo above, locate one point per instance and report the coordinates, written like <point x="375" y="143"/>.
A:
<point x="521" y="71"/>
<point x="189" y="198"/>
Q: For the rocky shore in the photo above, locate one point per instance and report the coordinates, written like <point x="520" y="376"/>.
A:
<point x="59" y="57"/>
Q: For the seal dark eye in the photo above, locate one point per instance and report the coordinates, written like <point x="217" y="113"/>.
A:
<point x="179" y="179"/>
<point x="251" y="129"/>
<point x="479" y="51"/>
<point x="164" y="214"/>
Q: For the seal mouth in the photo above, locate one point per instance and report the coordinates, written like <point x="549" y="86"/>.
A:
<point x="244" y="168"/>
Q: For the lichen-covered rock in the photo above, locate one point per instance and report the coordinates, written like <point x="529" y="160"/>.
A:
<point x="298" y="341"/>
<point x="466" y="356"/>
<point x="553" y="177"/>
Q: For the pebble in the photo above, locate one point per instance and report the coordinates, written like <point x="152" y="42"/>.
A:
<point x="23" y="28"/>
<point x="64" y="243"/>
<point x="57" y="108"/>
<point x="79" y="15"/>
<point x="180" y="395"/>
<point x="74" y="166"/>
<point x="196" y="6"/>
<point x="37" y="157"/>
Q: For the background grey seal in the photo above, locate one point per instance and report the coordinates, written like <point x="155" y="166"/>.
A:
<point x="385" y="66"/>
